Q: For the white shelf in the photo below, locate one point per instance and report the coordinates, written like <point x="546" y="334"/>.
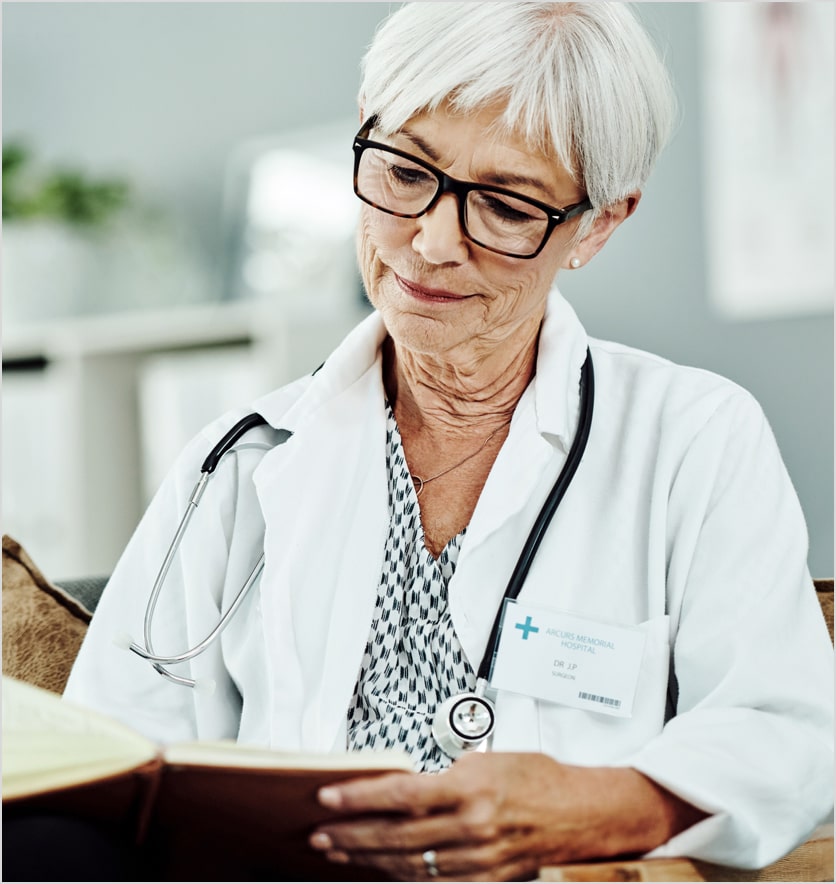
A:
<point x="136" y="332"/>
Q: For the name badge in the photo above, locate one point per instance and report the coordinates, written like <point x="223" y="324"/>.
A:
<point x="566" y="659"/>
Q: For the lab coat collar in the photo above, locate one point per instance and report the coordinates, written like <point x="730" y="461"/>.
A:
<point x="541" y="433"/>
<point x="560" y="356"/>
<point x="286" y="409"/>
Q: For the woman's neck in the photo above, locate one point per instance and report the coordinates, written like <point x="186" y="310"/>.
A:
<point x="432" y="394"/>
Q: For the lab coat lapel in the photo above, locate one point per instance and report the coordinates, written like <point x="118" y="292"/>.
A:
<point x="324" y="499"/>
<point x="543" y="425"/>
<point x="497" y="531"/>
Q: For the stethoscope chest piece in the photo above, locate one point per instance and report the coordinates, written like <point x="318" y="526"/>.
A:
<point x="463" y="723"/>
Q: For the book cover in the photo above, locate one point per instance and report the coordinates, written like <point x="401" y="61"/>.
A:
<point x="207" y="810"/>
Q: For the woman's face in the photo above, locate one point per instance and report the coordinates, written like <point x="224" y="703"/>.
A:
<point x="438" y="292"/>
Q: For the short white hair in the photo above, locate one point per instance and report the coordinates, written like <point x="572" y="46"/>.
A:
<point x="580" y="81"/>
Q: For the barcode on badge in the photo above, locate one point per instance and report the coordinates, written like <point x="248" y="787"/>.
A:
<point x="607" y="701"/>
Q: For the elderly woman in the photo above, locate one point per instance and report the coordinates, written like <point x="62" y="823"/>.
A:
<point x="658" y="677"/>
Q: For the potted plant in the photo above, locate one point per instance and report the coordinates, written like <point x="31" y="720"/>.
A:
<point x="55" y="229"/>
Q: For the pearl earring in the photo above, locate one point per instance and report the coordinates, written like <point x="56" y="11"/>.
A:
<point x="575" y="263"/>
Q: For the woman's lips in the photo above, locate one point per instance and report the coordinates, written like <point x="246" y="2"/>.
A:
<point x="423" y="293"/>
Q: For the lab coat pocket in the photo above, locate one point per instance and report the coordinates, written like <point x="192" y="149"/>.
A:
<point x="577" y="736"/>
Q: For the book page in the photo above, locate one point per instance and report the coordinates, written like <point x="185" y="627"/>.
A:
<point x="227" y="753"/>
<point x="49" y="743"/>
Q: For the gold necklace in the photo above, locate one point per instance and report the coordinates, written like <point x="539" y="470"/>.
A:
<point x="419" y="483"/>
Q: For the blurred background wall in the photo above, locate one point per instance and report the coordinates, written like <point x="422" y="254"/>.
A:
<point x="170" y="325"/>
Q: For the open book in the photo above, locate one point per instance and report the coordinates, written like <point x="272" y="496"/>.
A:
<point x="200" y="804"/>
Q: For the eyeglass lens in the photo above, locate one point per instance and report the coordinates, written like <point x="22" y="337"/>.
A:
<point x="496" y="220"/>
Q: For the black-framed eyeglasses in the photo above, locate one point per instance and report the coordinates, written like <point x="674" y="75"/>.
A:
<point x="495" y="218"/>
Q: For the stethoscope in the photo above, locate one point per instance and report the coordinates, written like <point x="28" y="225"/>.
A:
<point x="463" y="722"/>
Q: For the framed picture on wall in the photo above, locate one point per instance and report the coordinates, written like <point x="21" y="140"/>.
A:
<point x="768" y="149"/>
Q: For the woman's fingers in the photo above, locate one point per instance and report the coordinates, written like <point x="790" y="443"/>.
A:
<point x="385" y="833"/>
<point x="398" y="792"/>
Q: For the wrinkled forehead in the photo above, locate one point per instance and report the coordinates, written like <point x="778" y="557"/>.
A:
<point x="446" y="128"/>
<point x="490" y="127"/>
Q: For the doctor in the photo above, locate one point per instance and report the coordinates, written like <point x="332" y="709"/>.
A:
<point x="681" y="705"/>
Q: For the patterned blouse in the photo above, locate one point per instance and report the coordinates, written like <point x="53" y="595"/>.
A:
<point x="413" y="659"/>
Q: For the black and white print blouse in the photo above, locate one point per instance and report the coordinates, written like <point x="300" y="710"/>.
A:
<point x="413" y="659"/>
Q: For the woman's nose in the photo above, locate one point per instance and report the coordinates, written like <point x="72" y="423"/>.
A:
<point x="440" y="238"/>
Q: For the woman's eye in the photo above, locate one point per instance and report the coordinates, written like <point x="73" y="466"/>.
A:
<point x="502" y="209"/>
<point x="408" y="174"/>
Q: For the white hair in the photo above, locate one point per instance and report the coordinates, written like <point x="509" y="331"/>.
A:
<point x="580" y="81"/>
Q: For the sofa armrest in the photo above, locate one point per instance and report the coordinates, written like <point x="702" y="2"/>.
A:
<point x="811" y="861"/>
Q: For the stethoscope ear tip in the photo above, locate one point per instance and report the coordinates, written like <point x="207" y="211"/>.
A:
<point x="123" y="640"/>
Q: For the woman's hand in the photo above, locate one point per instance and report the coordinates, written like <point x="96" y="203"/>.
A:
<point x="497" y="816"/>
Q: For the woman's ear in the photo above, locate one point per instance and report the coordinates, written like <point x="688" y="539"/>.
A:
<point x="603" y="228"/>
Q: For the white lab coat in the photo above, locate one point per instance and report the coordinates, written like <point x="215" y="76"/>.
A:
<point x="681" y="518"/>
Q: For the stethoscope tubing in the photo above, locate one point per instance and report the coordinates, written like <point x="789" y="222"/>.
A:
<point x="159" y="661"/>
<point x="147" y="653"/>
<point x="194" y="500"/>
